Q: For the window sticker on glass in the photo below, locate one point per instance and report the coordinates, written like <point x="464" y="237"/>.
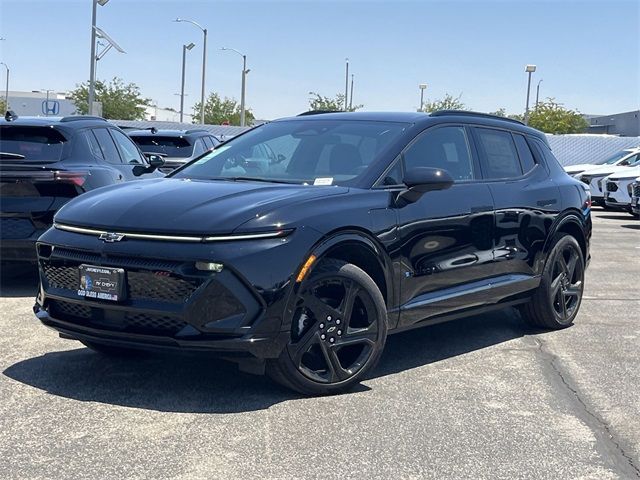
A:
<point x="323" y="181"/>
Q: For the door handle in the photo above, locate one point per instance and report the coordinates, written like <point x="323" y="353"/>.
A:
<point x="546" y="203"/>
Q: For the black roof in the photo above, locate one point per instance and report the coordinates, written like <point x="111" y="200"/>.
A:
<point x="420" y="118"/>
<point x="76" y="121"/>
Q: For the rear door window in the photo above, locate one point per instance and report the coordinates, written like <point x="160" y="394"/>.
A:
<point x="499" y="156"/>
<point x="21" y="143"/>
<point x="524" y="152"/>
<point x="94" y="146"/>
<point x="109" y="149"/>
<point x="128" y="150"/>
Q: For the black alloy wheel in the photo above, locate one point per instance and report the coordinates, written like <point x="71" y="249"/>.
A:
<point x="338" y="331"/>
<point x="557" y="300"/>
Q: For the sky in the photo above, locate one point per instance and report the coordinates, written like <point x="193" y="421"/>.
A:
<point x="587" y="52"/>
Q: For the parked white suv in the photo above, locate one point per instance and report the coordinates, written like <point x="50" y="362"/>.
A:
<point x="595" y="178"/>
<point x="620" y="159"/>
<point x="617" y="189"/>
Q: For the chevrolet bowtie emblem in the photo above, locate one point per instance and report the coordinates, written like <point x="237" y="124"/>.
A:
<point x="111" y="237"/>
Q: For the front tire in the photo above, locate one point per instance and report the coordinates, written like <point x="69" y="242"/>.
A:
<point x="338" y="331"/>
<point x="557" y="300"/>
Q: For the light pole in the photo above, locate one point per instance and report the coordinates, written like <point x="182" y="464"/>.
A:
<point x="538" y="92"/>
<point x="346" y="84"/>
<point x="204" y="62"/>
<point x="422" y="87"/>
<point x="92" y="69"/>
<point x="529" y="69"/>
<point x="46" y="110"/>
<point x="351" y="95"/>
<point x="6" y="88"/>
<point x="244" y="84"/>
<point x="184" y="63"/>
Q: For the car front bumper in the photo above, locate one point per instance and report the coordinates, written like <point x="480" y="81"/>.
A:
<point x="169" y="303"/>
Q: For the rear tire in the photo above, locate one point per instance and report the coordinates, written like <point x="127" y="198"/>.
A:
<point x="557" y="299"/>
<point x="338" y="331"/>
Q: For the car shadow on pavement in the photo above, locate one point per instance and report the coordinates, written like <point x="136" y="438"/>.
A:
<point x="632" y="226"/>
<point x="18" y="281"/>
<point x="200" y="384"/>
<point x="616" y="216"/>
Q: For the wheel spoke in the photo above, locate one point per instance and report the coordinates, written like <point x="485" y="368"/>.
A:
<point x="562" y="262"/>
<point x="555" y="286"/>
<point x="351" y="292"/>
<point x="334" y="368"/>
<point x="571" y="265"/>
<point x="362" y="335"/>
<point x="321" y="309"/>
<point x="563" y="304"/>
<point x="301" y="347"/>
<point x="574" y="290"/>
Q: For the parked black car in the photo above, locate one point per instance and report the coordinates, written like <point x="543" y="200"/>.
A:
<point x="46" y="161"/>
<point x="176" y="146"/>
<point x="363" y="224"/>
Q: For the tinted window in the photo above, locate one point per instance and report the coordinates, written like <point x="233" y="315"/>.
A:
<point x="500" y="159"/>
<point x="32" y="143"/>
<point x="109" y="149"/>
<point x="299" y="151"/>
<point x="128" y="150"/>
<point x="94" y="146"/>
<point x="177" y="147"/>
<point x="442" y="147"/>
<point x="207" y="142"/>
<point x="393" y="176"/>
<point x="198" y="147"/>
<point x="524" y="152"/>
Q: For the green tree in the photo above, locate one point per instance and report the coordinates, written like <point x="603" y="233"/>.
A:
<point x="336" y="104"/>
<point x="3" y="106"/>
<point x="501" y="112"/>
<point x="551" y="117"/>
<point x="449" y="102"/>
<point x="121" y="101"/>
<point x="218" y="111"/>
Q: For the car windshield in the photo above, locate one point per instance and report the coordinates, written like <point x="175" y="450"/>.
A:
<point x="320" y="152"/>
<point x="30" y="144"/>
<point x="177" y="147"/>
<point x="613" y="158"/>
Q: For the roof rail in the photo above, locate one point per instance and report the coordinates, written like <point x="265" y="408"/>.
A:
<point x="318" y="112"/>
<point x="195" y="130"/>
<point x="77" y="118"/>
<point x="442" y="113"/>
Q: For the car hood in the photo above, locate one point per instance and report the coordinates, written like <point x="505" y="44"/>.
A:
<point x="572" y="169"/>
<point x="632" y="172"/>
<point x="605" y="171"/>
<point x="183" y="206"/>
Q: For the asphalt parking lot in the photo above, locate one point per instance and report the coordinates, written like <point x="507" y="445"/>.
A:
<point x="485" y="397"/>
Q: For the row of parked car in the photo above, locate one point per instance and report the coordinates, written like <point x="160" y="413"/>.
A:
<point x="614" y="181"/>
<point x="46" y="161"/>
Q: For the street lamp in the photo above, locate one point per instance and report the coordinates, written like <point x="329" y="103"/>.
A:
<point x="422" y="87"/>
<point x="244" y="83"/>
<point x="538" y="92"/>
<point x="184" y="63"/>
<point x="6" y="89"/>
<point x="351" y="94"/>
<point x="92" y="68"/>
<point x="204" y="62"/>
<point x="346" y="84"/>
<point x="529" y="69"/>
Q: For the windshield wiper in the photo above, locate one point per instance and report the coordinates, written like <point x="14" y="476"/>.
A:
<point x="13" y="156"/>
<point x="257" y="179"/>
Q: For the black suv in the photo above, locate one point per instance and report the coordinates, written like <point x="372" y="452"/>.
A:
<point x="176" y="146"/>
<point x="362" y="224"/>
<point x="46" y="161"/>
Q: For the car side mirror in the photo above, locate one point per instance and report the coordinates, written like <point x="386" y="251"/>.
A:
<point x="155" y="160"/>
<point x="420" y="180"/>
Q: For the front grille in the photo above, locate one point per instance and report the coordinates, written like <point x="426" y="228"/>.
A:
<point x="16" y="228"/>
<point x="116" y="320"/>
<point x="612" y="187"/>
<point x="636" y="189"/>
<point x="159" y="286"/>
<point x="585" y="179"/>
